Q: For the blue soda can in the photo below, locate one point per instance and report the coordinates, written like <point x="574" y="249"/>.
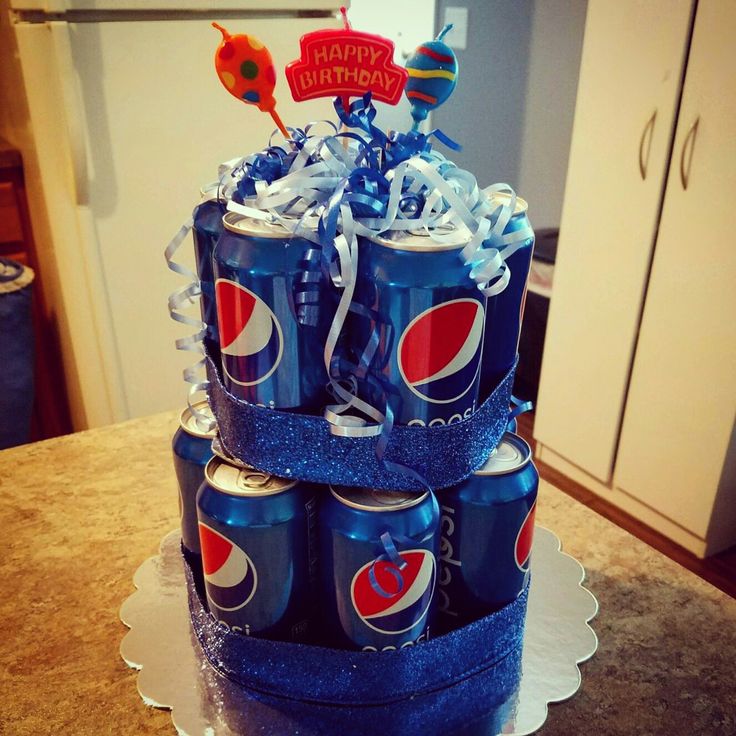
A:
<point x="206" y="232"/>
<point x="378" y="552"/>
<point x="192" y="447"/>
<point x="257" y="535"/>
<point x="430" y="318"/>
<point x="268" y="358"/>
<point x="487" y="526"/>
<point x="505" y="311"/>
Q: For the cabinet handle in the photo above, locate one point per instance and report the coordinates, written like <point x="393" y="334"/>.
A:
<point x="688" y="147"/>
<point x="648" y="128"/>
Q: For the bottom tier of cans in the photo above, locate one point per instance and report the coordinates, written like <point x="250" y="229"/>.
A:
<point x="353" y="568"/>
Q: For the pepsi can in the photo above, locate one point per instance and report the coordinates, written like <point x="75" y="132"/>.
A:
<point x="192" y="447"/>
<point x="429" y="315"/>
<point x="378" y="554"/>
<point x="268" y="358"/>
<point x="505" y="311"/>
<point x="206" y="232"/>
<point x="258" y="550"/>
<point x="487" y="525"/>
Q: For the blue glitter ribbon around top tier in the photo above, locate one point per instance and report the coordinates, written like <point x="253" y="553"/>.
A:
<point x="487" y="648"/>
<point x="302" y="446"/>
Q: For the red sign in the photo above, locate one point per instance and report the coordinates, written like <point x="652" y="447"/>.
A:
<point x="345" y="63"/>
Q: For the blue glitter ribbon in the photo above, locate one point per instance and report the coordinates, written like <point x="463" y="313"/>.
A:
<point x="301" y="446"/>
<point x="490" y="646"/>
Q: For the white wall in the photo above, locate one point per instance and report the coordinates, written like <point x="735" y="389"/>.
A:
<point x="552" y="80"/>
<point x="513" y="107"/>
<point x="408" y="23"/>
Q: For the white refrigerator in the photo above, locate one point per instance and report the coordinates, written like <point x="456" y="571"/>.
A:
<point x="125" y="119"/>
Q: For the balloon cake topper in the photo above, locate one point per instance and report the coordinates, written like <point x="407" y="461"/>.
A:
<point x="345" y="63"/>
<point x="339" y="62"/>
<point x="245" y="68"/>
<point x="432" y="72"/>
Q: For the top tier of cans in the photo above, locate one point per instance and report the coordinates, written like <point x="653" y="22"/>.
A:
<point x="442" y="345"/>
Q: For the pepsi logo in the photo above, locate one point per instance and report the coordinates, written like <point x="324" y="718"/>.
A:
<point x="523" y="545"/>
<point x="230" y="575"/>
<point x="251" y="339"/>
<point x="439" y="352"/>
<point x="404" y="597"/>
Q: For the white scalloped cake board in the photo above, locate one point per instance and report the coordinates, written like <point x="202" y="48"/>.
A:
<point x="173" y="673"/>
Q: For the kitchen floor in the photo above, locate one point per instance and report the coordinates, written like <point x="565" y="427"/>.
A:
<point x="719" y="570"/>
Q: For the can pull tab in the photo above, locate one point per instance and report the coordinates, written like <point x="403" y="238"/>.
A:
<point x="394" y="563"/>
<point x="253" y="479"/>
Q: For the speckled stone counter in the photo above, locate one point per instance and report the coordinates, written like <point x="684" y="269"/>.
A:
<point x="80" y="513"/>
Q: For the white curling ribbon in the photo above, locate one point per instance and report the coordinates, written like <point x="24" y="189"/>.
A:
<point x="343" y="274"/>
<point x="180" y="298"/>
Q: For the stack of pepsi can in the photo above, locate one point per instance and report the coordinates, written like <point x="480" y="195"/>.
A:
<point x="360" y="568"/>
<point x="348" y="567"/>
<point x="442" y="346"/>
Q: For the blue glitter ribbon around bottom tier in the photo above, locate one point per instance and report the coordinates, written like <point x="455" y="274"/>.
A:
<point x="302" y="446"/>
<point x="486" y="653"/>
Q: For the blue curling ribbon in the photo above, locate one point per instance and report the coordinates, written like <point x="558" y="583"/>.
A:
<point x="520" y="407"/>
<point x="394" y="568"/>
<point x="485" y="656"/>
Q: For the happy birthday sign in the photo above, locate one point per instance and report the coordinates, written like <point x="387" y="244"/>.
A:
<point x="345" y="63"/>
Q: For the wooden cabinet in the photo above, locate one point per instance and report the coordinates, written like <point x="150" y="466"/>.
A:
<point x="628" y="91"/>
<point x="638" y="390"/>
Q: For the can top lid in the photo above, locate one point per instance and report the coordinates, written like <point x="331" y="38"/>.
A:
<point x="504" y="198"/>
<point x="371" y="499"/>
<point x="419" y="240"/>
<point x="191" y="424"/>
<point x="511" y="454"/>
<point x="243" y="225"/>
<point x="236" y="480"/>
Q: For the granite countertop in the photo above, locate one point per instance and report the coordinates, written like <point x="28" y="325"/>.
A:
<point x="80" y="513"/>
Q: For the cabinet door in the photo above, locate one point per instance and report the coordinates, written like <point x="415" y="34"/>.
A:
<point x="681" y="404"/>
<point x="630" y="81"/>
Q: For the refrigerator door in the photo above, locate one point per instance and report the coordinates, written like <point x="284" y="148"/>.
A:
<point x="267" y="7"/>
<point x="140" y="122"/>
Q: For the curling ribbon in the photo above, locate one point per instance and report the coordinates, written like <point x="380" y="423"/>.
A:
<point x="179" y="299"/>
<point x="520" y="407"/>
<point x="396" y="564"/>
